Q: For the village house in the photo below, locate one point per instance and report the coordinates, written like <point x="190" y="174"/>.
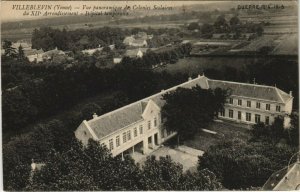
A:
<point x="128" y="40"/>
<point x="136" y="53"/>
<point x="139" y="126"/>
<point x="139" y="43"/>
<point x="34" y="55"/>
<point x="138" y="40"/>
<point x="48" y="55"/>
<point x="24" y="45"/>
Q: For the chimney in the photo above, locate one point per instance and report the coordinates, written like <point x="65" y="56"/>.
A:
<point x="291" y="93"/>
<point x="95" y="115"/>
<point x="189" y="79"/>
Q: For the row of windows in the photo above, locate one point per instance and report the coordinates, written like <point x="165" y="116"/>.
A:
<point x="127" y="134"/>
<point x="248" y="116"/>
<point x="258" y="104"/>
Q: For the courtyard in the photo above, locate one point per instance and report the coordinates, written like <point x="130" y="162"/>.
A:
<point x="187" y="153"/>
<point x="184" y="155"/>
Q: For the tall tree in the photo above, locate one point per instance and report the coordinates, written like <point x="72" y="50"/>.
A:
<point x="9" y="51"/>
<point x="188" y="110"/>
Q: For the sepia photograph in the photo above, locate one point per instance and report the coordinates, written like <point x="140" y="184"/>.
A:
<point x="150" y="95"/>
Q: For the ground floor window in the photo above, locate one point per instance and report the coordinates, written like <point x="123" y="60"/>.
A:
<point x="230" y="113"/>
<point x="111" y="144"/>
<point x="135" y="132"/>
<point x="248" y="116"/>
<point x="129" y="135"/>
<point x="267" y="121"/>
<point x="239" y="115"/>
<point x="222" y="112"/>
<point x="257" y="118"/>
<point x="118" y="141"/>
<point x="124" y="137"/>
<point x="141" y="129"/>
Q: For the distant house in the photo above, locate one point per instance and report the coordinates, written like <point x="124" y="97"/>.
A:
<point x="128" y="40"/>
<point x="91" y="51"/>
<point x="24" y="45"/>
<point x="142" y="35"/>
<point x="117" y="60"/>
<point x="52" y="53"/>
<point x="34" y="55"/>
<point x="139" y="43"/>
<point x="135" y="53"/>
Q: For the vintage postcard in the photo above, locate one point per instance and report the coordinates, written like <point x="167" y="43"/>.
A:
<point x="150" y="95"/>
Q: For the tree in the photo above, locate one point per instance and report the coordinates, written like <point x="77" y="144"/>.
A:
<point x="193" y="26"/>
<point x="21" y="55"/>
<point x="187" y="116"/>
<point x="293" y="131"/>
<point x="162" y="174"/>
<point x="241" y="164"/>
<point x="272" y="133"/>
<point x="207" y="30"/>
<point x="9" y="51"/>
<point x="221" y="24"/>
<point x="89" y="109"/>
<point x="203" y="180"/>
<point x="86" y="168"/>
<point x="259" y="30"/>
<point x="165" y="174"/>
<point x="234" y="21"/>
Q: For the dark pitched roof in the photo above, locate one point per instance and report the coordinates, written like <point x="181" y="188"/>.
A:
<point x="132" y="113"/>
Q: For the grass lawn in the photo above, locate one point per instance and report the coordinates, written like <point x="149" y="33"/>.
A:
<point x="225" y="130"/>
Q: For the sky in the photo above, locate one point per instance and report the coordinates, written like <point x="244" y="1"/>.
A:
<point x="8" y="14"/>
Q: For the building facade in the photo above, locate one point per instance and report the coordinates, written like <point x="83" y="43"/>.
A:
<point x="139" y="126"/>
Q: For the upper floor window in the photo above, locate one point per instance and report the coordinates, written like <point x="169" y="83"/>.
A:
<point x="240" y="102"/>
<point x="155" y="121"/>
<point x="141" y="129"/>
<point x="135" y="132"/>
<point x="268" y="107"/>
<point x="111" y="144"/>
<point x="230" y="113"/>
<point x="118" y="141"/>
<point x="258" y="105"/>
<point x="278" y="108"/>
<point x="124" y="137"/>
<point x="248" y="103"/>
<point x="231" y="101"/>
<point x="248" y="116"/>
<point x="149" y="124"/>
<point x="239" y="115"/>
<point x="129" y="135"/>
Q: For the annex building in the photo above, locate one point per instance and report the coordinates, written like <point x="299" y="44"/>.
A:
<point x="138" y="126"/>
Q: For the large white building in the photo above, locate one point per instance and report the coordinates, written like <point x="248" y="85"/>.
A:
<point x="138" y="126"/>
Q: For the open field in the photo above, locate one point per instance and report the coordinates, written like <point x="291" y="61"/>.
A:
<point x="228" y="131"/>
<point x="288" y="45"/>
<point x="196" y="65"/>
